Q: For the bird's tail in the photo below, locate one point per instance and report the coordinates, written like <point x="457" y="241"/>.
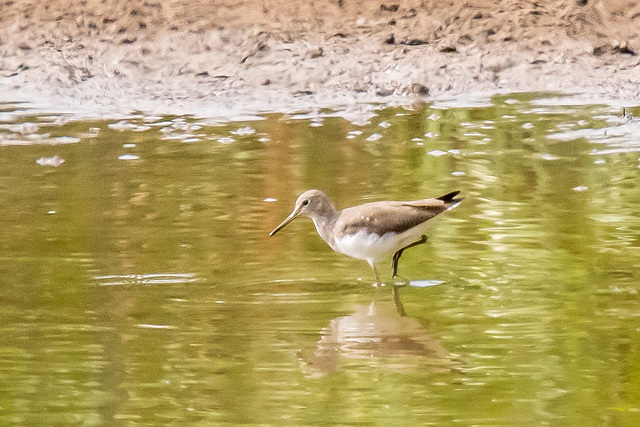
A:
<point x="450" y="199"/>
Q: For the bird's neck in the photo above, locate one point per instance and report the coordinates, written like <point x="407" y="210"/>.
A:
<point x="324" y="223"/>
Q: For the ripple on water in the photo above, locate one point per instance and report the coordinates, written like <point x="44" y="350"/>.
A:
<point x="146" y="279"/>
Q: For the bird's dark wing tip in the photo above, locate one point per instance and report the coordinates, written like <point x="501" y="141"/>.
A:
<point x="450" y="197"/>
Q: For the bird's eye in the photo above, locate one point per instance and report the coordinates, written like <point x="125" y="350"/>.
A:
<point x="305" y="202"/>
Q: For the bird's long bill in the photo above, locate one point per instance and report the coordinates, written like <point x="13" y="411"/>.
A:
<point x="287" y="220"/>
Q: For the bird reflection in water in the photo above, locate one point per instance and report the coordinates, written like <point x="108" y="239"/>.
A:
<point x="380" y="334"/>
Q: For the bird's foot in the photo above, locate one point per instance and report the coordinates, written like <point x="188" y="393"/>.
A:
<point x="400" y="281"/>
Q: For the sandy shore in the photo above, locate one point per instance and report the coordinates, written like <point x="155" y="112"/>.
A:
<point x="229" y="59"/>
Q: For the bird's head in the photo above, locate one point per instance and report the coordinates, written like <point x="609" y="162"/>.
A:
<point x="311" y="203"/>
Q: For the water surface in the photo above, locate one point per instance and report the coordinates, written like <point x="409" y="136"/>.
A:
<point x="138" y="284"/>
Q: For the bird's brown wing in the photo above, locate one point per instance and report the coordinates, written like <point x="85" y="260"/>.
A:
<point x="388" y="217"/>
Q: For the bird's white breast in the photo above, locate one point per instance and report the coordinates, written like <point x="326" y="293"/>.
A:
<point x="372" y="247"/>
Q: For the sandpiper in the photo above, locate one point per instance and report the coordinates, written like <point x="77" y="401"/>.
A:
<point x="373" y="231"/>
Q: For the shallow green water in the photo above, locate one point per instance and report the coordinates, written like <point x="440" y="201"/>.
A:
<point x="138" y="284"/>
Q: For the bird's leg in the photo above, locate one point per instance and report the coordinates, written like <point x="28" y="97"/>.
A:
<point x="394" y="263"/>
<point x="397" y="255"/>
<point x="375" y="271"/>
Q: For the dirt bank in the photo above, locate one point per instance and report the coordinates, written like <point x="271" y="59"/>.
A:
<point x="228" y="58"/>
